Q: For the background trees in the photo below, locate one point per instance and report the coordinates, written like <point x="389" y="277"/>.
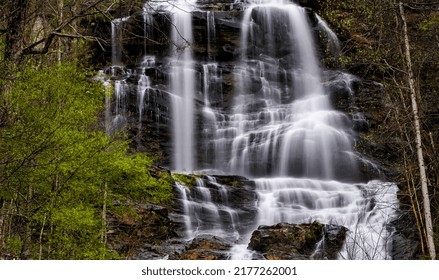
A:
<point x="378" y="45"/>
<point x="59" y="171"/>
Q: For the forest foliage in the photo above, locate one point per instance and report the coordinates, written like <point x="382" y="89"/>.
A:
<point x="58" y="167"/>
<point x="59" y="171"/>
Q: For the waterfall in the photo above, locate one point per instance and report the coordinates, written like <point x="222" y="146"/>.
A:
<point x="121" y="90"/>
<point x="182" y="86"/>
<point x="351" y="205"/>
<point x="206" y="210"/>
<point x="116" y="36"/>
<point x="210" y="32"/>
<point x="148" y="27"/>
<point x="262" y="111"/>
<point x="117" y="104"/>
<point x="332" y="37"/>
<point x="278" y="131"/>
<point x="144" y="84"/>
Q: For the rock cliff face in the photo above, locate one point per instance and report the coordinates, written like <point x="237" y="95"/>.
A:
<point x="216" y="50"/>
<point x="146" y="232"/>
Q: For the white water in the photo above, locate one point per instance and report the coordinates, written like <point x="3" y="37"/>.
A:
<point x="211" y="33"/>
<point x="205" y="214"/>
<point x="143" y="85"/>
<point x="266" y="135"/>
<point x="332" y="37"/>
<point x="365" y="209"/>
<point x="148" y="26"/>
<point x="300" y="136"/>
<point x="182" y="85"/>
<point x="116" y="39"/>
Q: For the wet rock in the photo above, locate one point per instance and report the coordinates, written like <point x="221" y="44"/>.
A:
<point x="298" y="241"/>
<point x="286" y="241"/>
<point x="313" y="4"/>
<point x="333" y="239"/>
<point x="404" y="248"/>
<point x="206" y="247"/>
<point x="224" y="194"/>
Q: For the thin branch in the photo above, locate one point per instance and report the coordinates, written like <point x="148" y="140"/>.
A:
<point x="56" y="32"/>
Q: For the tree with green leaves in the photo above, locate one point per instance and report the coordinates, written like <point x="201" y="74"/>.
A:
<point x="59" y="169"/>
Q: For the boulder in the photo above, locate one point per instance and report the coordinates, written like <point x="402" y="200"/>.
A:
<point x="206" y="247"/>
<point x="405" y="242"/>
<point x="298" y="241"/>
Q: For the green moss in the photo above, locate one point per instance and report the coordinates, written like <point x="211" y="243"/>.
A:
<point x="427" y="24"/>
<point x="232" y="181"/>
<point x="189" y="180"/>
<point x="291" y="236"/>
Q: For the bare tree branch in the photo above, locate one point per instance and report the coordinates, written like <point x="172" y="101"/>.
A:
<point x="57" y="32"/>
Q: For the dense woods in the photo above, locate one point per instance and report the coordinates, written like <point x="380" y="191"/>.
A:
<point x="59" y="169"/>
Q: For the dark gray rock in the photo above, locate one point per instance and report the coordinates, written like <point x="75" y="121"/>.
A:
<point x="206" y="247"/>
<point x="333" y="239"/>
<point x="405" y="242"/>
<point x="298" y="241"/>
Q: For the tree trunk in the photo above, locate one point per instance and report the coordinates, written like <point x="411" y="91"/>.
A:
<point x="2" y="223"/>
<point x="60" y="20"/>
<point x="423" y="175"/>
<point x="104" y="217"/>
<point x="14" y="35"/>
<point x="27" y="234"/>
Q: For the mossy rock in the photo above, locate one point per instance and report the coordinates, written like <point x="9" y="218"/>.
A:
<point x="188" y="180"/>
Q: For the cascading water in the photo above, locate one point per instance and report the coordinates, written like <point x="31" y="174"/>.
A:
<point x="207" y="210"/>
<point x="148" y="27"/>
<point x="183" y="86"/>
<point x="275" y="130"/>
<point x="279" y="129"/>
<point x="210" y="31"/>
<point x="332" y="37"/>
<point x="294" y="131"/>
<point x="116" y="37"/>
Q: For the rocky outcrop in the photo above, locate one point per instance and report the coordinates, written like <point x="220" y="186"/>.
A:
<point x="150" y="234"/>
<point x="298" y="241"/>
<point x="139" y="231"/>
